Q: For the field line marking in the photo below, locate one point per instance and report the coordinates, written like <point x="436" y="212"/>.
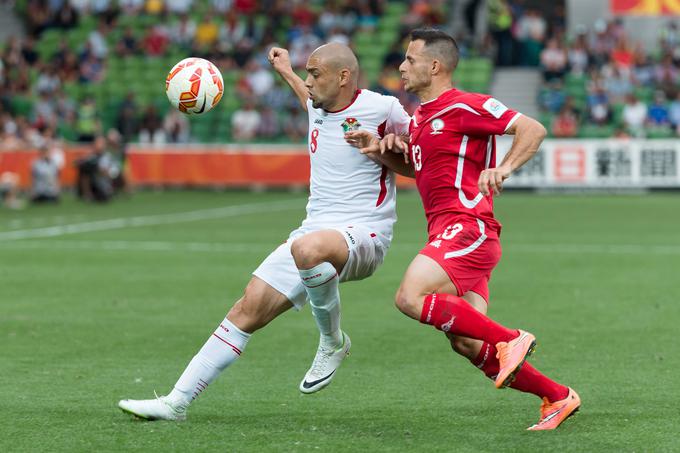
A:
<point x="150" y="220"/>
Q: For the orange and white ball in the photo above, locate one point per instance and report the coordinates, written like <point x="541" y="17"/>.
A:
<point x="194" y="86"/>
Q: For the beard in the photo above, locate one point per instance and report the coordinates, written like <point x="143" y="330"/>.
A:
<point x="317" y="104"/>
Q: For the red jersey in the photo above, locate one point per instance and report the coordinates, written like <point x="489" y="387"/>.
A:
<point x="452" y="139"/>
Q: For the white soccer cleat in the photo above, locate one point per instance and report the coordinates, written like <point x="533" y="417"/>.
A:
<point x="324" y="366"/>
<point x="157" y="409"/>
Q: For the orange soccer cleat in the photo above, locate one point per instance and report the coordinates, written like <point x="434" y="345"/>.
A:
<point x="511" y="357"/>
<point x="553" y="414"/>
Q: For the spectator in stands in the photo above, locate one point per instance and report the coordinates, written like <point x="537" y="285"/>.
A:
<point x="221" y="6"/>
<point x="178" y="6"/>
<point x="45" y="178"/>
<point x="552" y="97"/>
<point x="278" y="97"/>
<point x="578" y="54"/>
<point x="37" y="17"/>
<point x="634" y="115"/>
<point x="176" y="127"/>
<point x="623" y="57"/>
<point x="295" y="124"/>
<point x="44" y="111"/>
<point x="91" y="69"/>
<point x="66" y="17"/>
<point x="28" y="52"/>
<point x="259" y="78"/>
<point x="658" y="114"/>
<point x="618" y="85"/>
<point x="643" y="69"/>
<point x="674" y="113"/>
<point x="65" y="107"/>
<point x="599" y="108"/>
<point x="151" y="126"/>
<point x="87" y="123"/>
<point x="156" y="41"/>
<point x="302" y="47"/>
<point x="269" y="123"/>
<point x="154" y="7"/>
<point x="667" y="75"/>
<point x="183" y="31"/>
<point x="553" y="60"/>
<point x="245" y="121"/>
<point x="565" y="124"/>
<point x="97" y="40"/>
<point x="48" y="80"/>
<point x="206" y="34"/>
<point x="131" y="7"/>
<point x="127" y="45"/>
<point x="531" y="31"/>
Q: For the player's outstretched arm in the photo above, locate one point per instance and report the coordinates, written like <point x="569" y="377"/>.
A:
<point x="529" y="134"/>
<point x="375" y="149"/>
<point x="280" y="61"/>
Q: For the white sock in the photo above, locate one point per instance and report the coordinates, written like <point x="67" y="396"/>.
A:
<point x="321" y="283"/>
<point x="222" y="348"/>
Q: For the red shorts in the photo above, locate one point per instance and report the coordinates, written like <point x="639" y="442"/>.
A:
<point x="468" y="251"/>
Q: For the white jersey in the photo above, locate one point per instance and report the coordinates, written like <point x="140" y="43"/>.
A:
<point x="347" y="187"/>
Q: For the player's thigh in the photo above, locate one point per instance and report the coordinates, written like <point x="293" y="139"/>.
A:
<point x="260" y="304"/>
<point x="314" y="248"/>
<point x="423" y="276"/>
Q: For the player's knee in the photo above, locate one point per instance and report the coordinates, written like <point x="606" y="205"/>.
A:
<point x="307" y="252"/>
<point x="407" y="303"/>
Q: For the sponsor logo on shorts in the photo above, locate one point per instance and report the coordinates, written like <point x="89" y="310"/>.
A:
<point x="447" y="325"/>
<point x="351" y="238"/>
<point x="304" y="279"/>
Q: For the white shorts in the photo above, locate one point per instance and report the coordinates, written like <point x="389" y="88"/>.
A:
<point x="367" y="251"/>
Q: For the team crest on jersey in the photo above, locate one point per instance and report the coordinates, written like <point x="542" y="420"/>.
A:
<point x="437" y="126"/>
<point x="350" y="124"/>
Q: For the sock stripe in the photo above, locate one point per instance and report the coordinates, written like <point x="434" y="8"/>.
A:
<point x="236" y="350"/>
<point x="316" y="286"/>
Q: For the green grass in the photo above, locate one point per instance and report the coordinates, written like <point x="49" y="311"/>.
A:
<point x="89" y="318"/>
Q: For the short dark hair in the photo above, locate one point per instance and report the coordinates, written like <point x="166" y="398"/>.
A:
<point x="442" y="45"/>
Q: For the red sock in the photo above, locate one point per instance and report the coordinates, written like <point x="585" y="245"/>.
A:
<point x="528" y="380"/>
<point x="453" y="314"/>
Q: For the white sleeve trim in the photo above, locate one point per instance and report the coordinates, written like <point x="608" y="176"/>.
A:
<point x="512" y="121"/>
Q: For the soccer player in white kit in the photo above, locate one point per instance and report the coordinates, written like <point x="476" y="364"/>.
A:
<point x="345" y="236"/>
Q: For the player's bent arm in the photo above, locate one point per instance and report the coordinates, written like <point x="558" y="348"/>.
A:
<point x="529" y="134"/>
<point x="298" y="86"/>
<point x="394" y="162"/>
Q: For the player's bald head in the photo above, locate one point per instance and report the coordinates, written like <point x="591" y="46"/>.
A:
<point x="336" y="57"/>
<point x="439" y="46"/>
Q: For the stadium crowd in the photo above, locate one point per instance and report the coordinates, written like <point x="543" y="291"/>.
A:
<point x="36" y="104"/>
<point x="600" y="78"/>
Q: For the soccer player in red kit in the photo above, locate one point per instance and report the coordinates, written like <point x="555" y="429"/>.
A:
<point x="452" y="150"/>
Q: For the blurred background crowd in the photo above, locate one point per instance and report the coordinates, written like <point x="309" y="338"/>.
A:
<point x="93" y="71"/>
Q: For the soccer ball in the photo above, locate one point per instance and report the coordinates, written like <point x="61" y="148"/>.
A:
<point x="194" y="86"/>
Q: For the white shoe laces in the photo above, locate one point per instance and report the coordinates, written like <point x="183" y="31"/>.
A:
<point x="323" y="355"/>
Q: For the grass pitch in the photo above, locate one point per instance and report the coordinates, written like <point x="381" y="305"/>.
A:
<point x="99" y="303"/>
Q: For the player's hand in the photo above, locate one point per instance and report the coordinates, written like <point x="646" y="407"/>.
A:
<point x="279" y="59"/>
<point x="396" y="144"/>
<point x="364" y="140"/>
<point x="491" y="180"/>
